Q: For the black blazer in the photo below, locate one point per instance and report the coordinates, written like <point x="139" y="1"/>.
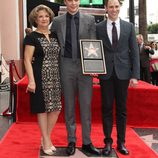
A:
<point x="144" y="57"/>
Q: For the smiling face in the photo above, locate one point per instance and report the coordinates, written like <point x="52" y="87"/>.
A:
<point x="42" y="19"/>
<point x="72" y="6"/>
<point x="113" y="9"/>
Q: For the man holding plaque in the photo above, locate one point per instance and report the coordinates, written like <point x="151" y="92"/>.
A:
<point x="71" y="27"/>
<point x="122" y="64"/>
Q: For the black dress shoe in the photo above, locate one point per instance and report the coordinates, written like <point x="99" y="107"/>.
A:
<point x="90" y="149"/>
<point x="71" y="148"/>
<point x="122" y="149"/>
<point x="107" y="150"/>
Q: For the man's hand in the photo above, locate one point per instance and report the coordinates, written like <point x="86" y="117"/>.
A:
<point x="94" y="75"/>
<point x="133" y="82"/>
<point x="147" y="47"/>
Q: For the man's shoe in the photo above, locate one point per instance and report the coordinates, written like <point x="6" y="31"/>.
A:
<point x="71" y="148"/>
<point x="122" y="149"/>
<point x="107" y="149"/>
<point x="90" y="149"/>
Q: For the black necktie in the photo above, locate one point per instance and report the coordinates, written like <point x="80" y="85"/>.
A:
<point x="114" y="35"/>
<point x="73" y="39"/>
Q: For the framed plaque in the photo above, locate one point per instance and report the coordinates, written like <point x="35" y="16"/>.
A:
<point x="92" y="56"/>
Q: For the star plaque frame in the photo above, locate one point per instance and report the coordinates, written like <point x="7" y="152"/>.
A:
<point x="92" y="56"/>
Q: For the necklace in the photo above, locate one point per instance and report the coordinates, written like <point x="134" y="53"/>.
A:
<point x="43" y="32"/>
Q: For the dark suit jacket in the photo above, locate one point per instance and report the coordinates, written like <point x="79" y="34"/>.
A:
<point x="144" y="57"/>
<point x="125" y="57"/>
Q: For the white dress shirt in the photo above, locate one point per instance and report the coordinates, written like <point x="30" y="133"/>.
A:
<point x="109" y="28"/>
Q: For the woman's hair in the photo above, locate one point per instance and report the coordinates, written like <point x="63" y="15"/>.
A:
<point x="34" y="13"/>
<point x="155" y="45"/>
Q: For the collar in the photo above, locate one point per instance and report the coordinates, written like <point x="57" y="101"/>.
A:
<point x="117" y="22"/>
<point x="75" y="15"/>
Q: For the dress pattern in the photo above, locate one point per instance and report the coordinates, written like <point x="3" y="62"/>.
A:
<point x="50" y="74"/>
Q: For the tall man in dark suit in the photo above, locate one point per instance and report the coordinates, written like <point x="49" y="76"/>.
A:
<point x="122" y="63"/>
<point x="74" y="83"/>
<point x="144" y="51"/>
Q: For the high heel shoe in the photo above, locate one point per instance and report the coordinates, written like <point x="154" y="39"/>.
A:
<point x="53" y="148"/>
<point x="48" y="151"/>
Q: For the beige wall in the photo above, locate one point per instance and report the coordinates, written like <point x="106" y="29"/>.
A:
<point x="10" y="45"/>
<point x="11" y="32"/>
<point x="0" y="38"/>
<point x="0" y="27"/>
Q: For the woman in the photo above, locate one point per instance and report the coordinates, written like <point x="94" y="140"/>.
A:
<point x="154" y="60"/>
<point x="41" y="63"/>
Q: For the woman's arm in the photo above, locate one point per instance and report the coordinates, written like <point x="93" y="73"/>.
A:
<point x="28" y="54"/>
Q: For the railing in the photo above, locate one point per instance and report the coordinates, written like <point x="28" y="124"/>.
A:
<point x="9" y="110"/>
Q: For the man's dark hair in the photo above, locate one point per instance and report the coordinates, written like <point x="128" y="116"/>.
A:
<point x="106" y="2"/>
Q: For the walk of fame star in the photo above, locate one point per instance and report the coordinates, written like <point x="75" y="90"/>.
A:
<point x="92" y="51"/>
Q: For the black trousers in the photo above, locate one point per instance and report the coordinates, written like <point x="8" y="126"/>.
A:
<point x="145" y="74"/>
<point x="154" y="78"/>
<point x="114" y="89"/>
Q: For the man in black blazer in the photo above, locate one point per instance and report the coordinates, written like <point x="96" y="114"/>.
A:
<point x="122" y="63"/>
<point x="144" y="51"/>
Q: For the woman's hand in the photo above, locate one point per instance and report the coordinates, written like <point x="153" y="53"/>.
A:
<point x="31" y="87"/>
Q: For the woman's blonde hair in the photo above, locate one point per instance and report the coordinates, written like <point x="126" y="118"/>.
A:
<point x="34" y="13"/>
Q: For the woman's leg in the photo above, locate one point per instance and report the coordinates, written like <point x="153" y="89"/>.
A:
<point x="51" y="121"/>
<point x="43" y="124"/>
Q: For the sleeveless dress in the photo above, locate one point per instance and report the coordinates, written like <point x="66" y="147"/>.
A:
<point x="45" y="63"/>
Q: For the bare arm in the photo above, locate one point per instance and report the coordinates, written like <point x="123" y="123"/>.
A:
<point x="28" y="54"/>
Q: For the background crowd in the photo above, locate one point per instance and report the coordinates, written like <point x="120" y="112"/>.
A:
<point x="148" y="60"/>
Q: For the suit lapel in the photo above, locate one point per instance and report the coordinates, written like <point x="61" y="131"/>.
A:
<point x="63" y="27"/>
<point x="81" y="26"/>
<point x="106" y="34"/>
<point x="122" y="29"/>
